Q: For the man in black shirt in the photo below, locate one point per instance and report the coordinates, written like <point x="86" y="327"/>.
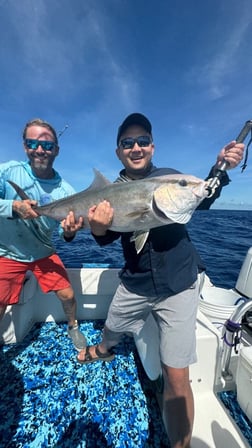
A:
<point x="161" y="279"/>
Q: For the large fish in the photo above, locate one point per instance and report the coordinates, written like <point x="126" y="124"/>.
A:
<point x="138" y="206"/>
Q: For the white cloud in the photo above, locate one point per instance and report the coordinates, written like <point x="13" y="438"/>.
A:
<point x="227" y="55"/>
<point x="65" y="50"/>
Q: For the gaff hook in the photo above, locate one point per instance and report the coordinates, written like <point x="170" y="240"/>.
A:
<point x="241" y="137"/>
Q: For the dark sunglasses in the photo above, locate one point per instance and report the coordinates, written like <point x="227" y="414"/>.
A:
<point x="34" y="144"/>
<point x="129" y="142"/>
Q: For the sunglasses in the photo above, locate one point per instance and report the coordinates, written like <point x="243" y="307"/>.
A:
<point x="129" y="142"/>
<point x="34" y="144"/>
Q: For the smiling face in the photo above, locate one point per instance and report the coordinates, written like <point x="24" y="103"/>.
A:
<point x="137" y="159"/>
<point x="41" y="160"/>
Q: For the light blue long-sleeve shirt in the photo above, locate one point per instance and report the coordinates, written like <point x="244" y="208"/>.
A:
<point x="27" y="239"/>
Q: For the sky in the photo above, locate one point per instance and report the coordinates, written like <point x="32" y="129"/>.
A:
<point x="87" y="64"/>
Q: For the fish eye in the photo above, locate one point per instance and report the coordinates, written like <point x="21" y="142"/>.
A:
<point x="183" y="183"/>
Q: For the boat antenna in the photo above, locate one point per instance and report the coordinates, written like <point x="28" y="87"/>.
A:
<point x="63" y="130"/>
<point x="241" y="137"/>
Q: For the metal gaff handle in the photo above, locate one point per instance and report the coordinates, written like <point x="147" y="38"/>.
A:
<point x="241" y="137"/>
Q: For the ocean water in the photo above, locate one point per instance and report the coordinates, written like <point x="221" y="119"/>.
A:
<point x="222" y="237"/>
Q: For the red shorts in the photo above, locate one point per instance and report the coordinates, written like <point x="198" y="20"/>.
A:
<point x="50" y="273"/>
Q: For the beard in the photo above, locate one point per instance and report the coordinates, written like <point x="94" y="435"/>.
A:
<point x="40" y="164"/>
<point x="43" y="163"/>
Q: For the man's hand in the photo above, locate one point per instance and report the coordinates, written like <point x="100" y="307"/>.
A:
<point x="100" y="218"/>
<point x="70" y="226"/>
<point x="232" y="154"/>
<point x="24" y="208"/>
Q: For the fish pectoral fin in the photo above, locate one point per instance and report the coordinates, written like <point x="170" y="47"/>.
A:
<point x="18" y="190"/>
<point x="139" y="238"/>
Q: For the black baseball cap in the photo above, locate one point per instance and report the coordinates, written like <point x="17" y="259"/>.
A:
<point x="132" y="119"/>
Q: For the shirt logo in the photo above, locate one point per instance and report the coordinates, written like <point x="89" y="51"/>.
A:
<point x="45" y="199"/>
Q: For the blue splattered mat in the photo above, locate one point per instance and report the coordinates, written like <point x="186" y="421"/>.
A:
<point x="229" y="399"/>
<point x="49" y="400"/>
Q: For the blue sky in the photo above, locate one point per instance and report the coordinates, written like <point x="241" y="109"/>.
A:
<point x="186" y="64"/>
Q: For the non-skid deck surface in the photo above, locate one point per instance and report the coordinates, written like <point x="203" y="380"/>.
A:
<point x="49" y="400"/>
<point x="229" y="399"/>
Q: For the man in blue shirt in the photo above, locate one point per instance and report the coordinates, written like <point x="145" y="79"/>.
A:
<point x="26" y="242"/>
<point x="161" y="279"/>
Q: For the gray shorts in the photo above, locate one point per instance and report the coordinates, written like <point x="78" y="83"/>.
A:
<point x="175" y="317"/>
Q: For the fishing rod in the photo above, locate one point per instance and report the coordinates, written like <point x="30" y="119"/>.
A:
<point x="241" y="137"/>
<point x="63" y="130"/>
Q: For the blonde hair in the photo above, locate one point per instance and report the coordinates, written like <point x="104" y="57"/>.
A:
<point x="40" y="122"/>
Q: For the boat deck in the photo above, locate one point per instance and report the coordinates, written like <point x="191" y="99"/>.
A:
<point x="49" y="400"/>
<point x="219" y="432"/>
